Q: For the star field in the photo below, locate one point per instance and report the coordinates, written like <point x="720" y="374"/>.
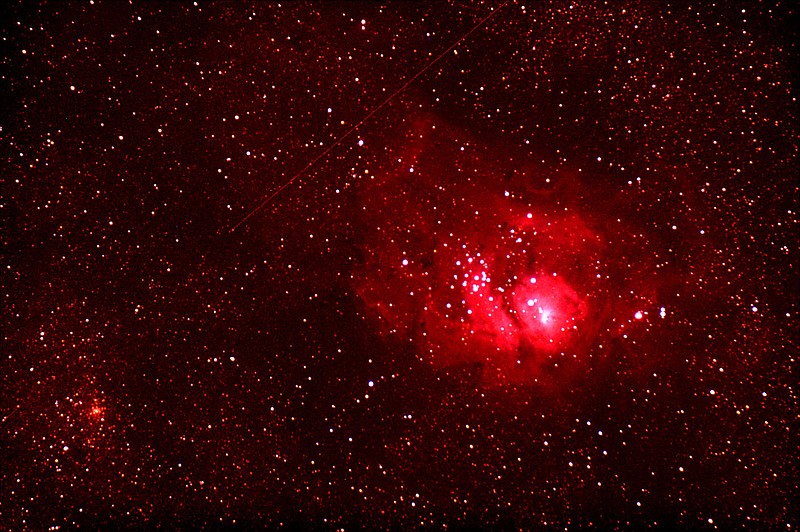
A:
<point x="493" y="265"/>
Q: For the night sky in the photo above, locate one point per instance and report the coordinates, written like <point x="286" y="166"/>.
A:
<point x="456" y="264"/>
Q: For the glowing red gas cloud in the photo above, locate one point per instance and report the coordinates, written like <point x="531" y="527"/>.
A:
<point x="474" y="267"/>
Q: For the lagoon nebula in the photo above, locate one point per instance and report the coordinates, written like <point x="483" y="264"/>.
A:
<point x="476" y="259"/>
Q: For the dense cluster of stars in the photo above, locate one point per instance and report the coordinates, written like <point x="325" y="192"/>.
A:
<point x="461" y="264"/>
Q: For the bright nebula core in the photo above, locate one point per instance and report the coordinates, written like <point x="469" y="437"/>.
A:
<point x="492" y="265"/>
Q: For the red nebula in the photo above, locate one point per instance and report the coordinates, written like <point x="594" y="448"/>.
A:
<point x="475" y="268"/>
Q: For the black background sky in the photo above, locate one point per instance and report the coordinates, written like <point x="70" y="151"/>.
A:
<point x="160" y="369"/>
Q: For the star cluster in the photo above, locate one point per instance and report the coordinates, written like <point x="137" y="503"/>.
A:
<point x="453" y="264"/>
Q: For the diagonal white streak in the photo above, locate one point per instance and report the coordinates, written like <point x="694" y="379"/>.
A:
<point x="369" y="115"/>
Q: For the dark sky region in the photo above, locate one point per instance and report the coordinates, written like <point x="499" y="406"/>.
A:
<point x="458" y="264"/>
